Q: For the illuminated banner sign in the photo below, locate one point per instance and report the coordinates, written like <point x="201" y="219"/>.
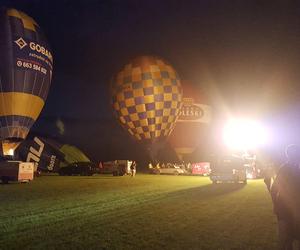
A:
<point x="194" y="112"/>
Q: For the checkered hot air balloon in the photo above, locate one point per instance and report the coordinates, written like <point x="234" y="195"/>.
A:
<point x="25" y="73"/>
<point x="146" y="98"/>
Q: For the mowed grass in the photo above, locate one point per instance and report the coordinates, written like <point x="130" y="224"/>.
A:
<point x="145" y="212"/>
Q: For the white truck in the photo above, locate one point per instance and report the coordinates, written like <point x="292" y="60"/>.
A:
<point x="16" y="171"/>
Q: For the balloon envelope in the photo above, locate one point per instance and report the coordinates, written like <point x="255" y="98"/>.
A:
<point x="44" y="152"/>
<point x="193" y="125"/>
<point x="25" y="73"/>
<point x="72" y="154"/>
<point x="49" y="154"/>
<point x="146" y="97"/>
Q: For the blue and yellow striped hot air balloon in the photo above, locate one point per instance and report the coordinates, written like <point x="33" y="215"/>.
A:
<point x="25" y="73"/>
<point x="146" y="98"/>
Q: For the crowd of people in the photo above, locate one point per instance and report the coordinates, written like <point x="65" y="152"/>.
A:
<point x="185" y="166"/>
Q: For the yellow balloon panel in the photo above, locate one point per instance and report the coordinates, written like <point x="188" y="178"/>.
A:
<point x="147" y="97"/>
<point x="21" y="104"/>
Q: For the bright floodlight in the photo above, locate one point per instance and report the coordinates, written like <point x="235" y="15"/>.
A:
<point x="244" y="134"/>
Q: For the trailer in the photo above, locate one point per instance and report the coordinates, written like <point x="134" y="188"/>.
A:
<point x="201" y="168"/>
<point x="16" y="171"/>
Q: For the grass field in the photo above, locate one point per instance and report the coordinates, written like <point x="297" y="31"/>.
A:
<point x="145" y="212"/>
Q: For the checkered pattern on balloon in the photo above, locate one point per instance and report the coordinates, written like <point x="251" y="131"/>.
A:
<point x="147" y="98"/>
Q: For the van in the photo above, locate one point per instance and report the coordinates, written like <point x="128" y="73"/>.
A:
<point x="229" y="169"/>
<point x="116" y="167"/>
<point x="16" y="171"/>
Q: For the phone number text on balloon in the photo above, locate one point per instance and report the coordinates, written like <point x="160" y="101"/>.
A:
<point x="29" y="65"/>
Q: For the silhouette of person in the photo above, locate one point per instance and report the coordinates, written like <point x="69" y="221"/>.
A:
<point x="286" y="198"/>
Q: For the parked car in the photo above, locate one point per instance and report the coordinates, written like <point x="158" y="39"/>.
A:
<point x="79" y="168"/>
<point x="168" y="169"/>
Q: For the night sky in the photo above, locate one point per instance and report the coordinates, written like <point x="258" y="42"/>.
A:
<point x="244" y="55"/>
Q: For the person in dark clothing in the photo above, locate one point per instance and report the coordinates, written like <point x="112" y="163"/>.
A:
<point x="286" y="199"/>
<point x="133" y="168"/>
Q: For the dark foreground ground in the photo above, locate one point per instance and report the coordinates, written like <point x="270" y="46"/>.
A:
<point x="145" y="212"/>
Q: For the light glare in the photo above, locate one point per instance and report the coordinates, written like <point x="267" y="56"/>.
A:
<point x="244" y="134"/>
